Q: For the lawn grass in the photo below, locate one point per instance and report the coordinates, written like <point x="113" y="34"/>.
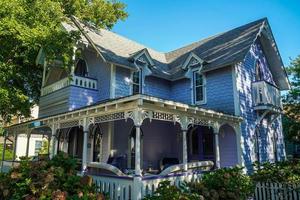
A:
<point x="8" y="153"/>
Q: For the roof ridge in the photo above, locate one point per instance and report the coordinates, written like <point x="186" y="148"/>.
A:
<point x="212" y="37"/>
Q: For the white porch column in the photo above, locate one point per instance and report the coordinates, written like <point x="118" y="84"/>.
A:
<point x="85" y="141"/>
<point x="3" y="154"/>
<point x="28" y="143"/>
<point x="217" y="150"/>
<point x="184" y="150"/>
<point x="15" y="147"/>
<point x="184" y="122"/>
<point x="138" y="171"/>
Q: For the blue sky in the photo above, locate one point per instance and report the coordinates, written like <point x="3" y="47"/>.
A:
<point x="165" y="25"/>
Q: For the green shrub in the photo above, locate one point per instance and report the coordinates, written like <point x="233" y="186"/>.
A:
<point x="225" y="183"/>
<point x="167" y="191"/>
<point x="222" y="184"/>
<point x="287" y="172"/>
<point x="55" y="179"/>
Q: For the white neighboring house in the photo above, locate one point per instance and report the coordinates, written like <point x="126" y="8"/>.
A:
<point x="35" y="141"/>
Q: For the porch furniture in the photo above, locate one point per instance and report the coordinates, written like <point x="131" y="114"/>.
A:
<point x="167" y="162"/>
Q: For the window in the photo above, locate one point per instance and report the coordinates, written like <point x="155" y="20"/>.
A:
<point x="199" y="88"/>
<point x="37" y="147"/>
<point x="81" y="68"/>
<point x="258" y="71"/>
<point x="136" y="82"/>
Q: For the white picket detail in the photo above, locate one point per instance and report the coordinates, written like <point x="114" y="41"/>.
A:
<point x="84" y="82"/>
<point x="118" y="188"/>
<point x="150" y="184"/>
<point x="121" y="188"/>
<point x="276" y="191"/>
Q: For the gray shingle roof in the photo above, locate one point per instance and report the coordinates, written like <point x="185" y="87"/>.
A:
<point x="218" y="51"/>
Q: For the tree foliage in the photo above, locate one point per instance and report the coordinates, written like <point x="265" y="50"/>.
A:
<point x="28" y="25"/>
<point x="291" y="120"/>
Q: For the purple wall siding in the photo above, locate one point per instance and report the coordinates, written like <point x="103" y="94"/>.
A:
<point x="157" y="87"/>
<point x="80" y="97"/>
<point x="161" y="139"/>
<point x="228" y="146"/>
<point x="219" y="91"/>
<point x="101" y="71"/>
<point x="258" y="53"/>
<point x="246" y="75"/>
<point x="122" y="88"/>
<point x="155" y="135"/>
<point x="181" y="91"/>
<point x="122" y="130"/>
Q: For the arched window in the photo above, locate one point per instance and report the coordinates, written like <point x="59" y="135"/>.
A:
<point x="96" y="134"/>
<point x="81" y="68"/>
<point x="258" y="71"/>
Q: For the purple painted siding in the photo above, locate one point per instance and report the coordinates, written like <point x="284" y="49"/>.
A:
<point x="101" y="71"/>
<point x="80" y="97"/>
<point x="258" y="54"/>
<point x="122" y="88"/>
<point x="181" y="91"/>
<point x="246" y="75"/>
<point x="156" y="133"/>
<point x="228" y="146"/>
<point x="157" y="87"/>
<point x="219" y="91"/>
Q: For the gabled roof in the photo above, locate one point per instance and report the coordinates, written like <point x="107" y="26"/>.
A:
<point x="217" y="51"/>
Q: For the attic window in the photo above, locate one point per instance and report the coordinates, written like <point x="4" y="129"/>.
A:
<point x="81" y="68"/>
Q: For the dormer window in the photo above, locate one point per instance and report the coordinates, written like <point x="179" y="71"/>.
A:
<point x="81" y="68"/>
<point x="199" y="87"/>
<point x="136" y="82"/>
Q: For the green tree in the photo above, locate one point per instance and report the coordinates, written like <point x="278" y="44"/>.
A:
<point x="28" y="25"/>
<point x="44" y="149"/>
<point x="291" y="120"/>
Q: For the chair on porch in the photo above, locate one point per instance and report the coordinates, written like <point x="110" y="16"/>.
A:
<point x="167" y="162"/>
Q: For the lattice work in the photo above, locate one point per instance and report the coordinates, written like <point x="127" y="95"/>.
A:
<point x="69" y="124"/>
<point x="163" y="116"/>
<point x="202" y="122"/>
<point x="109" y="117"/>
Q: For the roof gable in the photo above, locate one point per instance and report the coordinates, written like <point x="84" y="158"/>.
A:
<point x="218" y="51"/>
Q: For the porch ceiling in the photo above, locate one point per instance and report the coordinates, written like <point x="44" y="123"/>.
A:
<point x="119" y="109"/>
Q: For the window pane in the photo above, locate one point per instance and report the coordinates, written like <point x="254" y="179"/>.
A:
<point x="199" y="93"/>
<point x="199" y="79"/>
<point x="136" y="77"/>
<point x="135" y="89"/>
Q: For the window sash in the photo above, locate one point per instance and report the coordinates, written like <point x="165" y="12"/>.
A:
<point x="136" y="82"/>
<point x="199" y="88"/>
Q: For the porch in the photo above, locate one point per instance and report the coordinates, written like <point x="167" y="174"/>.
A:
<point x="129" y="145"/>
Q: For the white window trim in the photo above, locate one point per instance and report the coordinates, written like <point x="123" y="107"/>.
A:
<point x="204" y="101"/>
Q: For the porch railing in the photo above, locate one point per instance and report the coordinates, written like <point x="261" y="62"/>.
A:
<point x="265" y="94"/>
<point x="129" y="187"/>
<point x="120" y="188"/>
<point x="79" y="81"/>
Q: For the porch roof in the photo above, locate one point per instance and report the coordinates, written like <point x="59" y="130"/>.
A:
<point x="109" y="109"/>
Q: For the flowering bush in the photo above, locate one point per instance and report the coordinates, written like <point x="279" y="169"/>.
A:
<point x="287" y="172"/>
<point x="222" y="184"/>
<point x="55" y="179"/>
<point x="225" y="183"/>
<point x="167" y="191"/>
